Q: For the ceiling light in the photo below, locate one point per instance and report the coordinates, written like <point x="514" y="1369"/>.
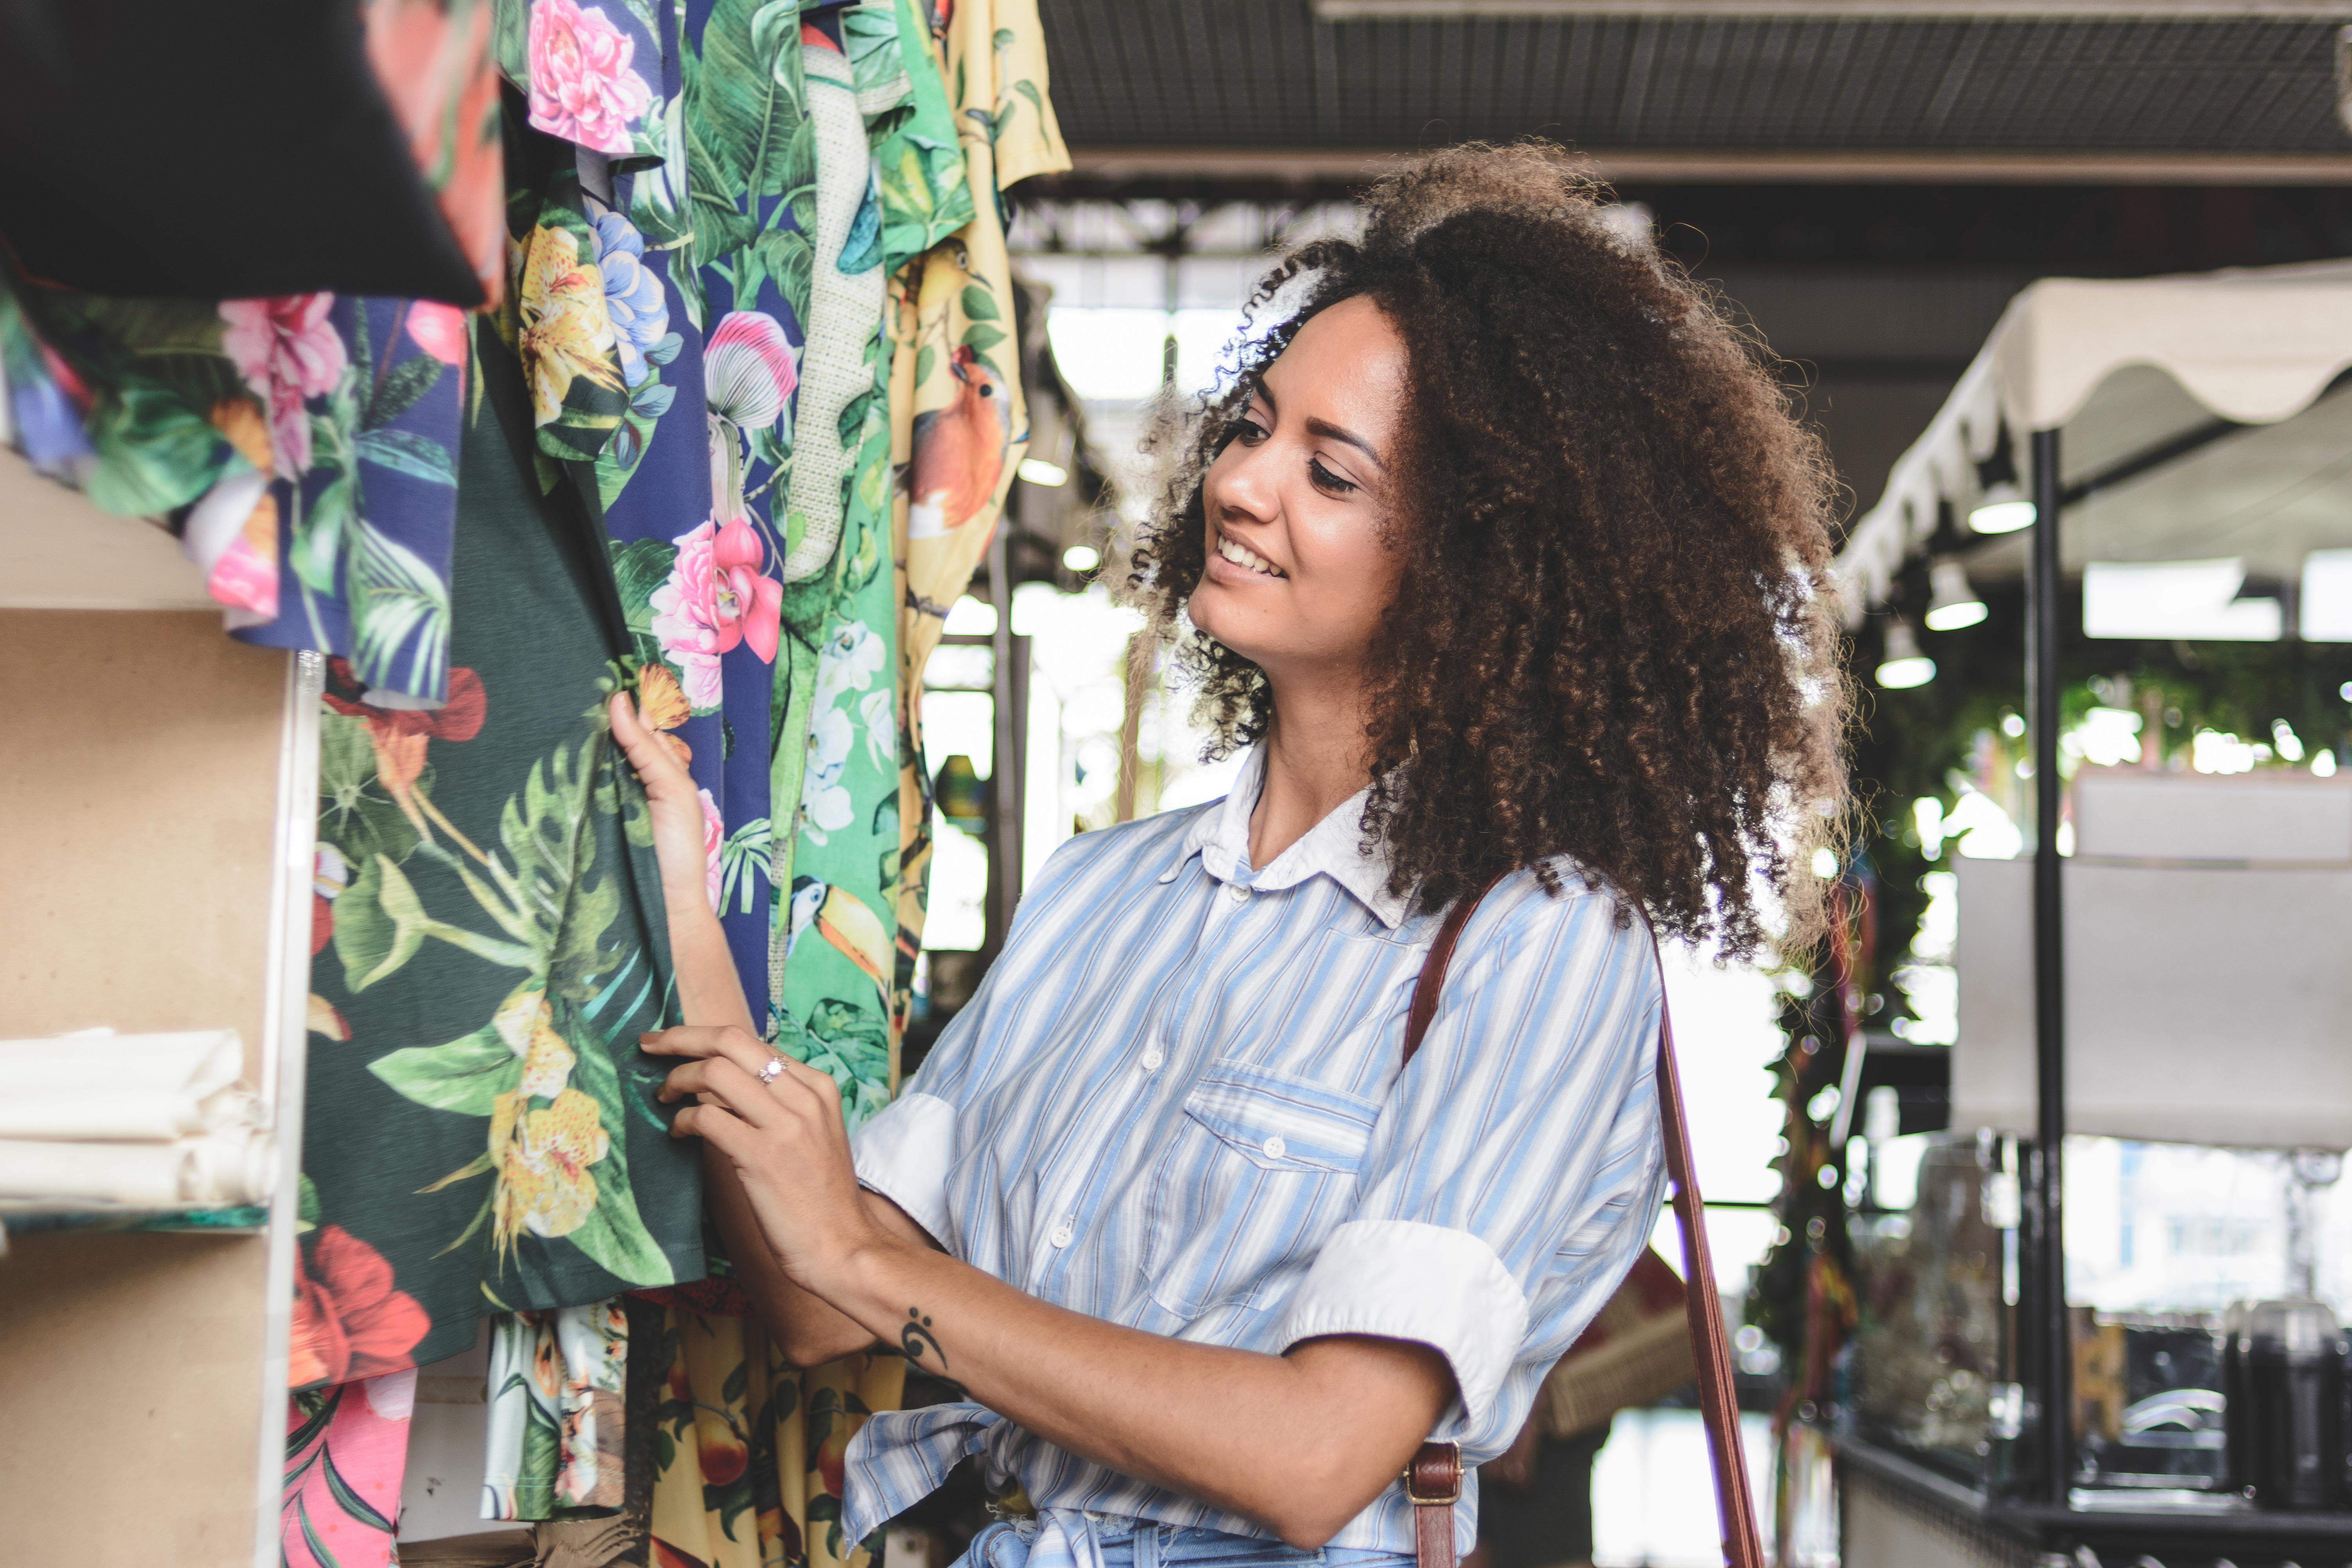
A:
<point x="1082" y="558"/>
<point x="1905" y="665"/>
<point x="2325" y="609"/>
<point x="2192" y="600"/>
<point x="1951" y="603"/>
<point x="1038" y="471"/>
<point x="2002" y="509"/>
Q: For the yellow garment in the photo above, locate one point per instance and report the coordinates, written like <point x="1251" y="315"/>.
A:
<point x="958" y="424"/>
<point x="748" y="1450"/>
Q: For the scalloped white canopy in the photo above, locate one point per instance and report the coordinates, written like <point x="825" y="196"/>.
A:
<point x="2255" y="345"/>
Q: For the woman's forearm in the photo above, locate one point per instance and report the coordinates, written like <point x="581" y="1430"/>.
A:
<point x="710" y="995"/>
<point x="1301" y="1442"/>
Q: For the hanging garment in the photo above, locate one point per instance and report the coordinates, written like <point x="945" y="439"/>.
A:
<point x="304" y="448"/>
<point x="557" y="1425"/>
<point x="602" y="77"/>
<point x="959" y="421"/>
<point x="346" y="1448"/>
<point x="833" y="950"/>
<point x="481" y="1126"/>
<point x="649" y="421"/>
<point x="371" y="130"/>
<point x="749" y="1451"/>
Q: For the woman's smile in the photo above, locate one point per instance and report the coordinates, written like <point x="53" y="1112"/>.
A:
<point x="1245" y="562"/>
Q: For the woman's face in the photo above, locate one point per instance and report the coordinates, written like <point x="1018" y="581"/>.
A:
<point x="1300" y="564"/>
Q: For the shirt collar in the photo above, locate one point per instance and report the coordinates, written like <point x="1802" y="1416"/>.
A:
<point x="1332" y="848"/>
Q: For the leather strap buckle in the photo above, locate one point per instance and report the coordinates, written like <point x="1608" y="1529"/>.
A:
<point x="1435" y="1465"/>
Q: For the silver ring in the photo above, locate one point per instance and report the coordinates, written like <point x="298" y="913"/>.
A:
<point x="773" y="1069"/>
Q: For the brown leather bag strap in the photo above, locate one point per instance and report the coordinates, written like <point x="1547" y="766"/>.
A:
<point x="1433" y="1480"/>
<point x="1718" y="1401"/>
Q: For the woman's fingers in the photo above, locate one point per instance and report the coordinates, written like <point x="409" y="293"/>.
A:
<point x="722" y="1129"/>
<point x="749" y="1053"/>
<point x="725" y="1042"/>
<point x="718" y="1079"/>
<point x="656" y="768"/>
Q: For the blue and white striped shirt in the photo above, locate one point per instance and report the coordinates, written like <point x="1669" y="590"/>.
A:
<point x="1175" y="1103"/>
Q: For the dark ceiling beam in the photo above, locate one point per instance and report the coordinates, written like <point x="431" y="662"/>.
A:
<point x="1323" y="165"/>
<point x="1841" y="10"/>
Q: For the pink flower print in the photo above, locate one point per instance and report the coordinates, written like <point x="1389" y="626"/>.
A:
<point x="748" y="371"/>
<point x="715" y="598"/>
<point x="714" y="843"/>
<point x="582" y="88"/>
<point x="287" y="350"/>
<point x="439" y="330"/>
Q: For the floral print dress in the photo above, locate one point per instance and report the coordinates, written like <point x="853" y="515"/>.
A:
<point x="739" y="419"/>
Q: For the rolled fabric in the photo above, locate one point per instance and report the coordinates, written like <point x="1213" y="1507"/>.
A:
<point x="104" y="1086"/>
<point x="219" y="1168"/>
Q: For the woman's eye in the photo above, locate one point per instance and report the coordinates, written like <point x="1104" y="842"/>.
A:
<point x="1248" y="431"/>
<point x="1326" y="479"/>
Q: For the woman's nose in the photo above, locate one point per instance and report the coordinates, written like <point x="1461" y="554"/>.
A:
<point x="1243" y="482"/>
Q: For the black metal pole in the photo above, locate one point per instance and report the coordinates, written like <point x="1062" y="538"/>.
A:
<point x="1008" y="743"/>
<point x="2054" y="1366"/>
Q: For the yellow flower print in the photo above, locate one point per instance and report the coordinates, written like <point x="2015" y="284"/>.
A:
<point x="565" y="334"/>
<point x="526" y="1023"/>
<point x="542" y="1156"/>
<point x="662" y="705"/>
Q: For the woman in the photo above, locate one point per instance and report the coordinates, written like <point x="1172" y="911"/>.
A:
<point x="1505" y="559"/>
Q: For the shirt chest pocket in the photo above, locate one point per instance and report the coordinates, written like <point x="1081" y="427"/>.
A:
<point x="1262" y="1167"/>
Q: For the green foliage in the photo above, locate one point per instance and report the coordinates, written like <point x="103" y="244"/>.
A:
<point x="379" y="924"/>
<point x="465" y="1076"/>
<point x="154" y="452"/>
<point x="396" y="597"/>
<point x="355" y="815"/>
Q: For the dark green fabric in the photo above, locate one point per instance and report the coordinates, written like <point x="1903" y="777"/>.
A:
<point x="486" y="1137"/>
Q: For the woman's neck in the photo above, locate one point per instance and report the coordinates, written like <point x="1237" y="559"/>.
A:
<point x="1315" y="758"/>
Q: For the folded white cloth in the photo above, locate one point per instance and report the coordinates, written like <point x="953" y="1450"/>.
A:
<point x="143" y="1088"/>
<point x="235" y="1165"/>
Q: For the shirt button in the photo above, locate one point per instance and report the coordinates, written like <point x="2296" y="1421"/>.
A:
<point x="1238" y="893"/>
<point x="1275" y="1147"/>
<point x="1152" y="1059"/>
<point x="1063" y="1233"/>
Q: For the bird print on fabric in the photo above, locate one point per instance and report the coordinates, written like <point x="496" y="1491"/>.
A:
<point x="846" y="925"/>
<point x="959" y="450"/>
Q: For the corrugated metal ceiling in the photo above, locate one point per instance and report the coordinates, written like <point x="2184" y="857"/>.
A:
<point x="1261" y="74"/>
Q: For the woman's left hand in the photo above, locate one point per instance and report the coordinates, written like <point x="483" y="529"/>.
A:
<point x="786" y="1140"/>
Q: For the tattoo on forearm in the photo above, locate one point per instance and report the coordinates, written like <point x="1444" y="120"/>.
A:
<point x="915" y="1337"/>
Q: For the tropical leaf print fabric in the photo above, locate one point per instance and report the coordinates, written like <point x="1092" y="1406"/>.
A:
<point x="478" y="1113"/>
<point x="346" y="1451"/>
<point x="557" y="1381"/>
<point x="304" y="449"/>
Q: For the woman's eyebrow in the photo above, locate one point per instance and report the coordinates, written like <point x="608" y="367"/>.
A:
<point x="1331" y="432"/>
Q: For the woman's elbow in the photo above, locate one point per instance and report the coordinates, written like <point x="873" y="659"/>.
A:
<point x="1318" y="1502"/>
<point x="1307" y="1533"/>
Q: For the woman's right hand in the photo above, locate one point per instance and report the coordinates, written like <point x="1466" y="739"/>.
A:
<point x="684" y="833"/>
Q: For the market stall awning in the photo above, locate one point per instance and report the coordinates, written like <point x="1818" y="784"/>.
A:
<point x="2150" y="381"/>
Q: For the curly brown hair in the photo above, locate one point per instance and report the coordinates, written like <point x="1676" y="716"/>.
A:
<point x="1619" y="645"/>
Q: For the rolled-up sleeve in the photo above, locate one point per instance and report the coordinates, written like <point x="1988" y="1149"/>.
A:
<point x="905" y="1153"/>
<point x="1515" y="1175"/>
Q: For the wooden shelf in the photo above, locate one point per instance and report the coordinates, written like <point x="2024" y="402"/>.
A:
<point x="57" y="552"/>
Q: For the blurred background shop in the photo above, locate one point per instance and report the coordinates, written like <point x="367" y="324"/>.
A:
<point x="1873" y="192"/>
<point x="2024" y="1195"/>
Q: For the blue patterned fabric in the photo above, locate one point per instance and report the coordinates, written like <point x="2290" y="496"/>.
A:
<point x="1176" y="1104"/>
<point x="1091" y="1541"/>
